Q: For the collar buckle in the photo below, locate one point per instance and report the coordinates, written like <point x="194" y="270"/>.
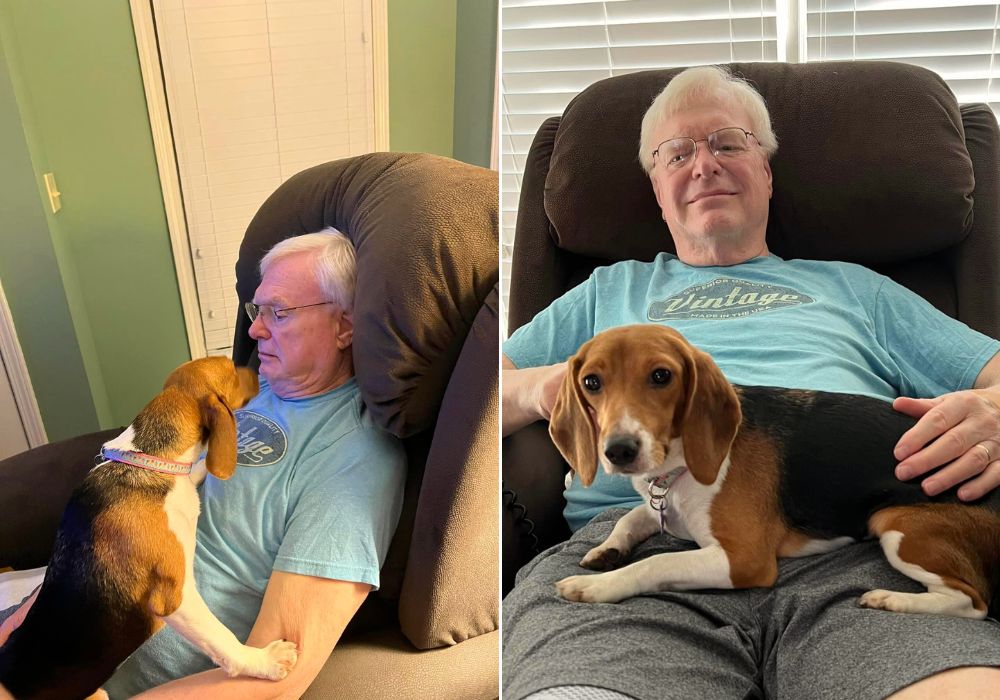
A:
<point x="658" y="487"/>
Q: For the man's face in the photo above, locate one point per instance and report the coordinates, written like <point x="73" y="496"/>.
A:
<point x="308" y="351"/>
<point x="712" y="202"/>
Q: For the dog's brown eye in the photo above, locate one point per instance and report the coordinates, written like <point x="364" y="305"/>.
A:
<point x="660" y="376"/>
<point x="592" y="382"/>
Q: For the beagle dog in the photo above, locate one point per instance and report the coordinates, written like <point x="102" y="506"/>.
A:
<point x="123" y="560"/>
<point x="752" y="474"/>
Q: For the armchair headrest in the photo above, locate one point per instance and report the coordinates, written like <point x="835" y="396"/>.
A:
<point x="847" y="185"/>
<point x="426" y="233"/>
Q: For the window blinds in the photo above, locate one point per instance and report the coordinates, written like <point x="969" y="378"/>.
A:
<point x="552" y="50"/>
<point x="956" y="39"/>
<point x="257" y="90"/>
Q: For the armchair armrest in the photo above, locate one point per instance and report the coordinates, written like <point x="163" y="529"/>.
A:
<point x="532" y="492"/>
<point x="449" y="591"/>
<point x="34" y="488"/>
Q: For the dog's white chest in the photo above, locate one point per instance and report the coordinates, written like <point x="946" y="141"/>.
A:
<point x="182" y="507"/>
<point x="685" y="509"/>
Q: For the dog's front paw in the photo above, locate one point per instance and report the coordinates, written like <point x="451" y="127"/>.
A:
<point x="281" y="657"/>
<point x="272" y="662"/>
<point x="602" y="559"/>
<point x="595" y="588"/>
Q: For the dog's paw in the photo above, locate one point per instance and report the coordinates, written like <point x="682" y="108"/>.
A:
<point x="602" y="559"/>
<point x="882" y="600"/>
<point x="281" y="657"/>
<point x="272" y="662"/>
<point x="596" y="588"/>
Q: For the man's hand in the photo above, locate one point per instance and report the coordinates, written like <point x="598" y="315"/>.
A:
<point x="529" y="394"/>
<point x="963" y="428"/>
<point x="549" y="381"/>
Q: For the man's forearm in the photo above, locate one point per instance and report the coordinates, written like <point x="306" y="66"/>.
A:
<point x="216" y="684"/>
<point x="521" y="397"/>
<point x="308" y="610"/>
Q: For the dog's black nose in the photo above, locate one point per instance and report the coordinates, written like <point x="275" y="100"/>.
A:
<point x="621" y="450"/>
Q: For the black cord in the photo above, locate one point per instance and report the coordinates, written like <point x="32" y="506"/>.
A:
<point x="524" y="525"/>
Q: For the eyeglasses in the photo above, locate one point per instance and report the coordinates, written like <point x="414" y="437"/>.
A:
<point x="730" y="142"/>
<point x="270" y="313"/>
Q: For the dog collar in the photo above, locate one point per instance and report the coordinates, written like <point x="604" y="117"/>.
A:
<point x="145" y="461"/>
<point x="658" y="488"/>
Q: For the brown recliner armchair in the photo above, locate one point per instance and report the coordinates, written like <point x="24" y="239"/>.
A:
<point x="425" y="229"/>
<point x="877" y="164"/>
<point x="426" y="233"/>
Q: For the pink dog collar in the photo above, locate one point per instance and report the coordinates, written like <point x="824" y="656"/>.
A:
<point x="145" y="461"/>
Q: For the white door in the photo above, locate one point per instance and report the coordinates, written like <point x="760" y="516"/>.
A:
<point x="13" y="436"/>
<point x="20" y="421"/>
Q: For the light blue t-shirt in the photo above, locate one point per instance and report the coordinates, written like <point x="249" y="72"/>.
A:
<point x="318" y="491"/>
<point x="767" y="322"/>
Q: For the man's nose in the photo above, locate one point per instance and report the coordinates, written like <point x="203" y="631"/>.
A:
<point x="704" y="162"/>
<point x="257" y="328"/>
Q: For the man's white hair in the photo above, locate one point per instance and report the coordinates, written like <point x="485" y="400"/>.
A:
<point x="695" y="87"/>
<point x="334" y="263"/>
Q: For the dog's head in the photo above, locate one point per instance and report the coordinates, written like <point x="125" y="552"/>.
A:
<point x="196" y="408"/>
<point x="642" y="400"/>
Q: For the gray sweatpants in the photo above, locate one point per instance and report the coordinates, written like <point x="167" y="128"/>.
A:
<point x="804" y="638"/>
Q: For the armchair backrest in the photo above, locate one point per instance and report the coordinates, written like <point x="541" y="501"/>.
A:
<point x="425" y="230"/>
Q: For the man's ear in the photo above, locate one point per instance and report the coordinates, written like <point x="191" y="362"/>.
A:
<point x="345" y="333"/>
<point x="767" y="169"/>
<point x="655" y="181"/>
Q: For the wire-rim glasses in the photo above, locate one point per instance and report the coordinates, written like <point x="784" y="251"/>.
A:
<point x="270" y="313"/>
<point x="732" y="141"/>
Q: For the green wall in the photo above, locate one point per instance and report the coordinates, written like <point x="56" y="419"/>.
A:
<point x="442" y="56"/>
<point x="33" y="284"/>
<point x="475" y="78"/>
<point x="93" y="289"/>
<point x="75" y="75"/>
<point x="422" y="75"/>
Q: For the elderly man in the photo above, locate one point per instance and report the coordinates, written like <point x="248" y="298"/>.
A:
<point x="290" y="546"/>
<point x="705" y="144"/>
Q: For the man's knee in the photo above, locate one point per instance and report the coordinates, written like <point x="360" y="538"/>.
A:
<point x="955" y="683"/>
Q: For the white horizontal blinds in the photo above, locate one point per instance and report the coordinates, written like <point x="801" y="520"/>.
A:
<point x="956" y="39"/>
<point x="257" y="91"/>
<point x="553" y="50"/>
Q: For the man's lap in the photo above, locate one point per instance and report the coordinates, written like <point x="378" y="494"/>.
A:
<point x="807" y="637"/>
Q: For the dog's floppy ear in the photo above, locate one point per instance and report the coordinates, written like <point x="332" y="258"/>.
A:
<point x="712" y="416"/>
<point x="571" y="427"/>
<point x="220" y="423"/>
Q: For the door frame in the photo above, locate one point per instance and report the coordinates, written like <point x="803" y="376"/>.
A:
<point x="20" y="381"/>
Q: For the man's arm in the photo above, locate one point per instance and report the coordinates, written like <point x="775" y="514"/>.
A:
<point x="528" y="394"/>
<point x="307" y="610"/>
<point x="965" y="429"/>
